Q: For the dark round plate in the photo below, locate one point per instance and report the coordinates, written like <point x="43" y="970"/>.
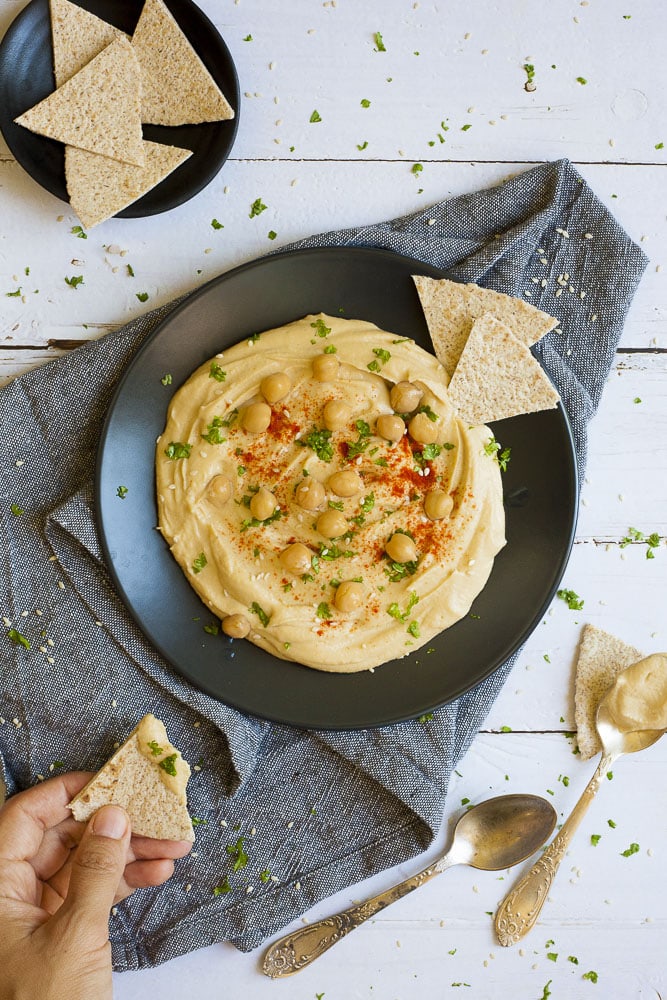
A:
<point x="26" y="77"/>
<point x="540" y="497"/>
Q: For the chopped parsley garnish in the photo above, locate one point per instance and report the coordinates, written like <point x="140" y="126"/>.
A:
<point x="271" y="234"/>
<point x="17" y="638"/>
<point x="169" y="764"/>
<point x="237" y="851"/>
<point x="573" y="601"/>
<point x="216" y="372"/>
<point x="368" y="503"/>
<point x="402" y="616"/>
<point x="17" y="293"/>
<point x="223" y="888"/>
<point x="265" y="875"/>
<point x="260" y="612"/>
<point x="413" y="629"/>
<point x="530" y="72"/>
<point x="546" y="992"/>
<point x="592" y="976"/>
<point x="417" y="168"/>
<point x="379" y="43"/>
<point x="176" y="449"/>
<point x="248" y="38"/>
<point x="216" y="225"/>
<point x="213" y="435"/>
<point x="374" y="366"/>
<point x="142" y="296"/>
<point x="582" y="80"/>
<point x="331" y="349"/>
<point x="320" y="442"/>
<point x="121" y="492"/>
<point x="331" y="552"/>
<point x="595" y="839"/>
<point x="230" y="418"/>
<point x="634" y="535"/>
<point x="167" y="379"/>
<point x="257" y="208"/>
<point x="357" y="447"/>
<point x="632" y="849"/>
<point x="315" y="117"/>
<point x="398" y="571"/>
<point x="199" y="563"/>
<point x="365" y="103"/>
<point x="241" y="470"/>
<point x="336" y="504"/>
<point x="429" y="412"/>
<point x="492" y="448"/>
<point x="74" y="281"/>
<point x="255" y="522"/>
<point x="361" y="146"/>
<point x="78" y="231"/>
<point x="16" y="510"/>
<point x="383" y="355"/>
<point x="552" y="956"/>
<point x="320" y="328"/>
<point x="464" y="128"/>
<point x="323" y="610"/>
<point x="154" y="748"/>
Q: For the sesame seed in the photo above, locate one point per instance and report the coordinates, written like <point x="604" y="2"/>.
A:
<point x="588" y="236"/>
<point x="188" y="887"/>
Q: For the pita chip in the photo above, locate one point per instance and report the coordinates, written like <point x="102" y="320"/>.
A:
<point x="100" y="187"/>
<point x="97" y="109"/>
<point x="450" y="309"/>
<point x="497" y="376"/>
<point x="177" y="87"/>
<point x="147" y="776"/>
<point x="601" y="659"/>
<point x="78" y="36"/>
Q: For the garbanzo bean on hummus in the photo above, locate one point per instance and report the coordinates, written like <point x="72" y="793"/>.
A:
<point x="322" y="497"/>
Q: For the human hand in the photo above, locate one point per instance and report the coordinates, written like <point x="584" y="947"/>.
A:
<point x="58" y="881"/>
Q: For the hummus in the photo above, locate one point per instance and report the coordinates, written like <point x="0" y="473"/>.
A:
<point x="322" y="497"/>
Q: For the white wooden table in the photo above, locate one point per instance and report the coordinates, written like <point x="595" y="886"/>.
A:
<point x="599" y="99"/>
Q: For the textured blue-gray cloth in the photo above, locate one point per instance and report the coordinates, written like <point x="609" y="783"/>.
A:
<point x="318" y="811"/>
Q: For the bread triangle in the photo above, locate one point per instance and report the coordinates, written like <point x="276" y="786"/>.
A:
<point x="99" y="187"/>
<point x="497" y="376"/>
<point x="78" y="36"/>
<point x="97" y="109"/>
<point x="601" y="659"/>
<point x="177" y="87"/>
<point x="134" y="780"/>
<point x="450" y="308"/>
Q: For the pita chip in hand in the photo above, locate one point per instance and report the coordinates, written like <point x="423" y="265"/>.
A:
<point x="99" y="187"/>
<point x="497" y="376"/>
<point x="97" y="109"/>
<point x="77" y="36"/>
<point x="450" y="309"/>
<point x="177" y="87"/>
<point x="147" y="776"/>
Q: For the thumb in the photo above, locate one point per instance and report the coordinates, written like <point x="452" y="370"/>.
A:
<point x="97" y="869"/>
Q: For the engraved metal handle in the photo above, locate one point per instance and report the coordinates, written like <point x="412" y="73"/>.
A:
<point x="297" y="950"/>
<point x="521" y="907"/>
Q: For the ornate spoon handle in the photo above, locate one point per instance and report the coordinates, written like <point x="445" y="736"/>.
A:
<point x="522" y="905"/>
<point x="296" y="950"/>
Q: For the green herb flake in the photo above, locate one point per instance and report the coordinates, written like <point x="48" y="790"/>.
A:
<point x="505" y="729"/>
<point x="363" y="145"/>
<point x="199" y="563"/>
<point x="595" y="839"/>
<point x="265" y="876"/>
<point x="78" y="231"/>
<point x="16" y="510"/>
<point x="320" y="327"/>
<point x="368" y="503"/>
<point x="257" y="208"/>
<point x="331" y="349"/>
<point x="320" y="442"/>
<point x="272" y="234"/>
<point x="176" y="449"/>
<point x="212" y="628"/>
<point x="427" y="717"/>
<point x="629" y="851"/>
<point x="238" y="853"/>
<point x="167" y="379"/>
<point x="142" y="296"/>
<point x="413" y="629"/>
<point x="530" y="72"/>
<point x="383" y="355"/>
<point x="256" y="609"/>
<point x="611" y="823"/>
<point x="74" y="281"/>
<point x="417" y="168"/>
<point x="573" y="601"/>
<point x="315" y="117"/>
<point x="546" y="992"/>
<point x="154" y="748"/>
<point x="16" y="294"/>
<point x="216" y="225"/>
<point x="365" y="103"/>
<point x="169" y="764"/>
<point x="552" y="956"/>
<point x="582" y="80"/>
<point x="464" y="128"/>
<point x="18" y="639"/>
<point x="130" y="270"/>
<point x="121" y="492"/>
<point x="213" y="434"/>
<point x="223" y="888"/>
<point x="323" y="610"/>
<point x="196" y="821"/>
<point x="379" y="43"/>
<point x="592" y="976"/>
<point x="659" y="145"/>
<point x="573" y="959"/>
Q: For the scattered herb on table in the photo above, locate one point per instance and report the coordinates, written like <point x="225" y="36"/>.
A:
<point x="121" y="492"/>
<point x="16" y="294"/>
<point x="142" y="296"/>
<point x="130" y="270"/>
<point x="237" y="851"/>
<point x="78" y="231"/>
<point x="417" y="168"/>
<point x="223" y="888"/>
<point x="363" y="145"/>
<point x="212" y="628"/>
<point x="365" y="103"/>
<point x="18" y="639"/>
<point x="573" y="601"/>
<point x="272" y="234"/>
<point x="16" y="510"/>
<point x="257" y="208"/>
<point x="167" y="379"/>
<point x="216" y="225"/>
<point x="315" y="117"/>
<point x="379" y="43"/>
<point x="464" y="128"/>
<point x="426" y="717"/>
<point x="592" y="976"/>
<point x="582" y="80"/>
<point x="74" y="281"/>
<point x="629" y="851"/>
<point x="546" y="992"/>
<point x="595" y="839"/>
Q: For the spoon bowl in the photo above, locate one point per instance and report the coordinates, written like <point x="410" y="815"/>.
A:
<point x="494" y="834"/>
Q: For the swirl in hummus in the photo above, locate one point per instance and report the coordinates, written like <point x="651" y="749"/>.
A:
<point x="322" y="497"/>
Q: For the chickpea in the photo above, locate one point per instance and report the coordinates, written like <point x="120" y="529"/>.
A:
<point x="390" y="427"/>
<point x="256" y="418"/>
<point x="345" y="483"/>
<point x="236" y="626"/>
<point x="401" y="548"/>
<point x="275" y="386"/>
<point x="405" y="397"/>
<point x="438" y="505"/>
<point x="263" y="504"/>
<point x="336" y="414"/>
<point x="422" y="429"/>
<point x="332" y="523"/>
<point x="219" y="491"/>
<point x="296" y="558"/>
<point x="310" y="494"/>
<point x="349" y="595"/>
<point x="325" y="368"/>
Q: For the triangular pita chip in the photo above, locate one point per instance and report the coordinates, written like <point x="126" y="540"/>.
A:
<point x="100" y="187"/>
<point x="601" y="659"/>
<point x="97" y="109"/>
<point x="497" y="376"/>
<point x="450" y="309"/>
<point x="78" y="36"/>
<point x="177" y="87"/>
<point x="133" y="779"/>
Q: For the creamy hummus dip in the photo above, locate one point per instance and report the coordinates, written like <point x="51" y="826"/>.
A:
<point x="322" y="497"/>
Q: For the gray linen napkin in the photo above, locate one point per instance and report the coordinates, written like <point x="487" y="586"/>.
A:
<point x="315" y="811"/>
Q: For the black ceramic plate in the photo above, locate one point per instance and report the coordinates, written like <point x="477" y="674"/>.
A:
<point x="26" y="77"/>
<point x="540" y="490"/>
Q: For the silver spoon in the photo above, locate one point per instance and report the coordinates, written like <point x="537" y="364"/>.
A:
<point x="619" y="734"/>
<point x="494" y="834"/>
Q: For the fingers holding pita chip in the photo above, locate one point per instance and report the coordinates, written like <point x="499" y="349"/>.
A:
<point x="497" y="376"/>
<point x="450" y="309"/>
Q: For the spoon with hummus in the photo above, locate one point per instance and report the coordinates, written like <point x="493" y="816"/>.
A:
<point x="494" y="834"/>
<point x="631" y="716"/>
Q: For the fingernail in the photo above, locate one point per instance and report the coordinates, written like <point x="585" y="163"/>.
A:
<point x="110" y="822"/>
